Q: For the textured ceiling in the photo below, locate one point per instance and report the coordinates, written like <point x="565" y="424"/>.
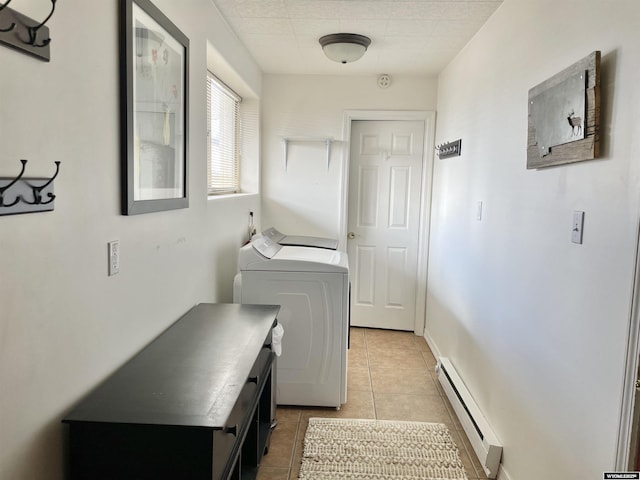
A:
<point x="417" y="37"/>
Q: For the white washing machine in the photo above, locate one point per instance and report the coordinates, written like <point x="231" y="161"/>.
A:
<point x="300" y="240"/>
<point x="312" y="287"/>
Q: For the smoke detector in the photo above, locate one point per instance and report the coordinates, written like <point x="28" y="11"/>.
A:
<point x="384" y="80"/>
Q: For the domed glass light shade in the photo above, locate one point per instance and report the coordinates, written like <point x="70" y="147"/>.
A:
<point x="344" y="47"/>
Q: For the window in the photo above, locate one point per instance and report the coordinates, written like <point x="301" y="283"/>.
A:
<point x="223" y="126"/>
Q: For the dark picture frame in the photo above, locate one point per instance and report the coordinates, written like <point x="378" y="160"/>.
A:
<point x="154" y="65"/>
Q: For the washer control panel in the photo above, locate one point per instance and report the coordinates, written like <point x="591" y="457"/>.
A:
<point x="265" y="247"/>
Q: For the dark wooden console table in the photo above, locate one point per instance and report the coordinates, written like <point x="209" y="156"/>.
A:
<point x="198" y="402"/>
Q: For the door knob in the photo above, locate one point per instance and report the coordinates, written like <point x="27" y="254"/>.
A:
<point x="351" y="235"/>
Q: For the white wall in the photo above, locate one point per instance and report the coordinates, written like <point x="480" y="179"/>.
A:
<point x="537" y="325"/>
<point x="64" y="324"/>
<point x="305" y="197"/>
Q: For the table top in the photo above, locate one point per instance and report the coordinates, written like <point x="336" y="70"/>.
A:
<point x="190" y="375"/>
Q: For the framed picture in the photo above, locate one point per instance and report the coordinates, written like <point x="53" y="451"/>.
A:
<point x="154" y="56"/>
<point x="564" y="116"/>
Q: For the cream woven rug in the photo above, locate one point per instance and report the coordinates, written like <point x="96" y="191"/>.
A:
<point x="346" y="449"/>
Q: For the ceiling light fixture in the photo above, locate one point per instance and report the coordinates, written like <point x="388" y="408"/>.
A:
<point x="344" y="47"/>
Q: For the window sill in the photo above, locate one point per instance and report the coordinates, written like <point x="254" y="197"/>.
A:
<point x="229" y="195"/>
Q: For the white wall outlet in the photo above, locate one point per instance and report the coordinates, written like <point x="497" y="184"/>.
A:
<point x="577" y="226"/>
<point x="114" y="257"/>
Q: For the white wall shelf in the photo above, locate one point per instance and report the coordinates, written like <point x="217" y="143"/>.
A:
<point x="287" y="140"/>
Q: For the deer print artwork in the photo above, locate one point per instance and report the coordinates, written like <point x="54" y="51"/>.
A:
<point x="575" y="123"/>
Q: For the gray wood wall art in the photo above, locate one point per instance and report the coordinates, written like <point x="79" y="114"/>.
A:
<point x="564" y="116"/>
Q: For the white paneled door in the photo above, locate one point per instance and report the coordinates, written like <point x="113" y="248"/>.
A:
<point x="385" y="178"/>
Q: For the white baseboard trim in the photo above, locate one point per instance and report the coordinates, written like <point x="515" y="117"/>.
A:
<point x="432" y="345"/>
<point x="503" y="474"/>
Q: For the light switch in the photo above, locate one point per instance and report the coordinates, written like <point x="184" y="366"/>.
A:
<point x="114" y="257"/>
<point x="479" y="211"/>
<point x="577" y="227"/>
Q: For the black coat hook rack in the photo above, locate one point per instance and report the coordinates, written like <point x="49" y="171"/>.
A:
<point x="25" y="34"/>
<point x="449" y="149"/>
<point x="13" y="24"/>
<point x="26" y="195"/>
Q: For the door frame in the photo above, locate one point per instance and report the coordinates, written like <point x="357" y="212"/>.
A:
<point x="429" y="118"/>
<point x="625" y="428"/>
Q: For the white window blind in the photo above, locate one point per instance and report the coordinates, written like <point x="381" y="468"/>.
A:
<point x="223" y="126"/>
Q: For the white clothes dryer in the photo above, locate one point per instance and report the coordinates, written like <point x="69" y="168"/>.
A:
<point x="312" y="287"/>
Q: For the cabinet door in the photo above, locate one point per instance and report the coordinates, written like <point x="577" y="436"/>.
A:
<point x="106" y="451"/>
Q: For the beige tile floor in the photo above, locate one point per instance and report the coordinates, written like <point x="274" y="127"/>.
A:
<point x="391" y="376"/>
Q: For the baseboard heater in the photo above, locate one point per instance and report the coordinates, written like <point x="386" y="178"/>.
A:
<point x="480" y="434"/>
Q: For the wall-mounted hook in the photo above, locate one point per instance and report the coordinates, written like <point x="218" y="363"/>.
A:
<point x="25" y="34"/>
<point x="11" y="184"/>
<point x="13" y="24"/>
<point x="449" y="149"/>
<point x="28" y="195"/>
<point x="37" y="190"/>
<point x="33" y="31"/>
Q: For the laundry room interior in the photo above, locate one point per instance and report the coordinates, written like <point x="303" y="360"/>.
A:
<point x="543" y="331"/>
